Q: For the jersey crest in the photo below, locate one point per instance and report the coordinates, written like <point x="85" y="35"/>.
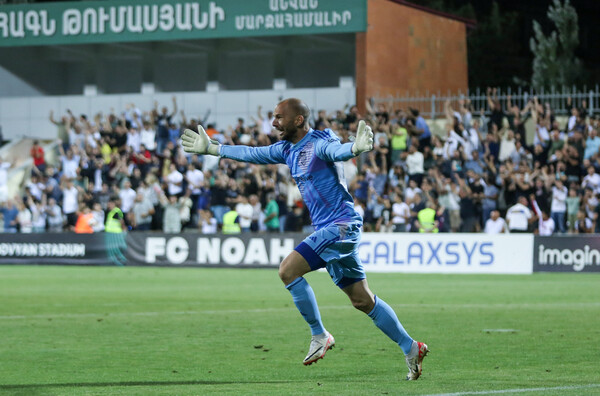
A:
<point x="305" y="156"/>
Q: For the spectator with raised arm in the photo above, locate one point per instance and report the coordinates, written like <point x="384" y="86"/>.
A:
<point x="161" y="121"/>
<point x="519" y="216"/>
<point x="172" y="214"/>
<point x="142" y="212"/>
<point x="38" y="156"/>
<point x="497" y="114"/>
<point x="546" y="224"/>
<point x="5" y="166"/>
<point x="24" y="218"/>
<point x="63" y="127"/>
<point x="106" y="146"/>
<point x="38" y="215"/>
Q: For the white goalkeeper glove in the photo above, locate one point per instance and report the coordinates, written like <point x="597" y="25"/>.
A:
<point x="199" y="143"/>
<point x="364" y="139"/>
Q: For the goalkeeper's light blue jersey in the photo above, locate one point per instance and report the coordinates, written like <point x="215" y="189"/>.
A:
<point x="314" y="167"/>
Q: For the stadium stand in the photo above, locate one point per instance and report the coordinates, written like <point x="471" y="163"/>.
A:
<point x="478" y="175"/>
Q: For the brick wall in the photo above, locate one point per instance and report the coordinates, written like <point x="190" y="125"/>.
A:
<point x="409" y="50"/>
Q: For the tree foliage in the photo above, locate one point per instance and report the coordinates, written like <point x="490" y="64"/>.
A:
<point x="494" y="49"/>
<point x="494" y="46"/>
<point x="554" y="62"/>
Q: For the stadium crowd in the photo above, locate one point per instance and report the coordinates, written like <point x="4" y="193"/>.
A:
<point x="480" y="175"/>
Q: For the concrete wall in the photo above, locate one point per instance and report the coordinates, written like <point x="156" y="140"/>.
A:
<point x="11" y="85"/>
<point x="406" y="50"/>
<point x="28" y="116"/>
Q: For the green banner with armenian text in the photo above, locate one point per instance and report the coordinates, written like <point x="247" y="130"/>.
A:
<point x="144" y="20"/>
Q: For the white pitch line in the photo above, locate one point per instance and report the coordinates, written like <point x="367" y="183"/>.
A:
<point x="518" y="390"/>
<point x="589" y="304"/>
<point x="261" y="310"/>
<point x="152" y="313"/>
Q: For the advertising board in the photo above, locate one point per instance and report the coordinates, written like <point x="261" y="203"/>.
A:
<point x="567" y="254"/>
<point x="447" y="253"/>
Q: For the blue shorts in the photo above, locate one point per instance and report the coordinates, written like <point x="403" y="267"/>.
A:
<point x="335" y="247"/>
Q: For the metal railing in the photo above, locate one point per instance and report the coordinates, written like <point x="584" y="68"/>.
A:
<point x="432" y="104"/>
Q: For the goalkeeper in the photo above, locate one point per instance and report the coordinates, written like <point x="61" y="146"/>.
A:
<point x="312" y="157"/>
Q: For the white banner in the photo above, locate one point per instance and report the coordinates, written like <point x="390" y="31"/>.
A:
<point x="447" y="253"/>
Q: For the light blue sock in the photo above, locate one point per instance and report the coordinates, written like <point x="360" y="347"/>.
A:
<point x="385" y="318"/>
<point x="305" y="301"/>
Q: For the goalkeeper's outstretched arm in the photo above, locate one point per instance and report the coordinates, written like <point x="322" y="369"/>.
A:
<point x="364" y="139"/>
<point x="333" y="150"/>
<point x="200" y="143"/>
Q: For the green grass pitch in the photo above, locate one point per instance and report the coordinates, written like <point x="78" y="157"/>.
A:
<point x="181" y="331"/>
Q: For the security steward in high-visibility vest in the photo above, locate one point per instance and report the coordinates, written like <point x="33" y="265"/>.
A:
<point x="231" y="224"/>
<point x="114" y="223"/>
<point x="426" y="219"/>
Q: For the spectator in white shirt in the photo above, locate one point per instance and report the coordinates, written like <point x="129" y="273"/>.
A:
<point x="507" y="145"/>
<point x="70" y="201"/>
<point x="35" y="187"/>
<point x="265" y="122"/>
<point x="174" y="180"/>
<point x="474" y="135"/>
<point x="414" y="164"/>
<point x="411" y="191"/>
<point x="245" y="211"/>
<point x="4" y="168"/>
<point x="400" y="214"/>
<point x="256" y="212"/>
<point x="546" y="224"/>
<point x="591" y="180"/>
<point x="449" y="198"/>
<point x="134" y="140"/>
<point x="359" y="207"/>
<point x="127" y="196"/>
<point x="558" y="208"/>
<point x="38" y="216"/>
<point x="208" y="222"/>
<point x="453" y="140"/>
<point x="69" y="162"/>
<point x="24" y="218"/>
<point x="97" y="222"/>
<point x="195" y="180"/>
<point x="148" y="136"/>
<point x="542" y="136"/>
<point x="495" y="224"/>
<point x="54" y="216"/>
<point x="573" y="118"/>
<point x="465" y="141"/>
<point x="518" y="216"/>
<point x="141" y="213"/>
